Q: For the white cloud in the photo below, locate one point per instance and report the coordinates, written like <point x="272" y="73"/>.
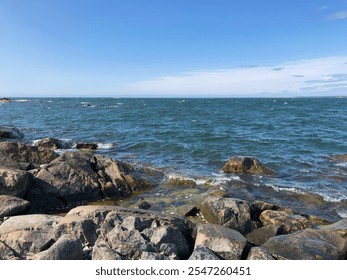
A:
<point x="304" y="77"/>
<point x="338" y="16"/>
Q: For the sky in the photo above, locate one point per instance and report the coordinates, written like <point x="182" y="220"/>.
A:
<point x="173" y="48"/>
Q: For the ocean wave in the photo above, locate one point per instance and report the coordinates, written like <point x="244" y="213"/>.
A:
<point x="105" y="146"/>
<point x="342" y="213"/>
<point x="287" y="189"/>
<point x="22" y="100"/>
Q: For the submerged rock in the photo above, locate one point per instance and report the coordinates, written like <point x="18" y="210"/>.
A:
<point x="309" y="244"/>
<point x="248" y="165"/>
<point x="87" y="146"/>
<point x="15" y="182"/>
<point x="226" y="242"/>
<point x="11" y="205"/>
<point x="10" y="132"/>
<point x="20" y="156"/>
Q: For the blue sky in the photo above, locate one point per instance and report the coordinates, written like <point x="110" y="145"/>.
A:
<point x="198" y="48"/>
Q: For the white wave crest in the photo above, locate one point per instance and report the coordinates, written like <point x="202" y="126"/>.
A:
<point x="105" y="146"/>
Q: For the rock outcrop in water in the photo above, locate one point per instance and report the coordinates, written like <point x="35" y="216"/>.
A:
<point x="247" y="165"/>
<point x="9" y="132"/>
<point x="36" y="180"/>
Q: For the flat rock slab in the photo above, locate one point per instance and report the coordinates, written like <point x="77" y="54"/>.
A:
<point x="15" y="182"/>
<point x="26" y="235"/>
<point x="229" y="212"/>
<point x="226" y="242"/>
<point x="288" y="222"/>
<point x="11" y="205"/>
<point x="309" y="244"/>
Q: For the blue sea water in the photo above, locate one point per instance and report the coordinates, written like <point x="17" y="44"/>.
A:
<point x="193" y="138"/>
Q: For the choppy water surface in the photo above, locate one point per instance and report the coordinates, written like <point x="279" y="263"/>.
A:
<point x="193" y="138"/>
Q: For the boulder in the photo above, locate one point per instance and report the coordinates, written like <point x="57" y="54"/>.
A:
<point x="67" y="247"/>
<point x="26" y="235"/>
<point x="5" y="100"/>
<point x="15" y="182"/>
<point x="130" y="233"/>
<point x="309" y="244"/>
<point x="260" y="235"/>
<point x="11" y="205"/>
<point x="52" y="143"/>
<point x="259" y="253"/>
<point x="75" y="225"/>
<point x="69" y="178"/>
<point x="229" y="212"/>
<point x="119" y="179"/>
<point x="102" y="251"/>
<point x="20" y="156"/>
<point x="87" y="146"/>
<point x="248" y="165"/>
<point x="10" y="132"/>
<point x="289" y="222"/>
<point x="339" y="228"/>
<point x="204" y="253"/>
<point x="226" y="242"/>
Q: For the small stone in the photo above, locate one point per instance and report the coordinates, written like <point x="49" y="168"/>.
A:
<point x="259" y="253"/>
<point x="11" y="205"/>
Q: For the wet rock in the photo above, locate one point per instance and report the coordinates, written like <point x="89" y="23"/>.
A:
<point x="261" y="235"/>
<point x="309" y="244"/>
<point x="11" y="205"/>
<point x="342" y="157"/>
<point x="75" y="225"/>
<point x="68" y="178"/>
<point x="226" y="242"/>
<point x="187" y="210"/>
<point x="10" y="132"/>
<point x="87" y="146"/>
<point x="259" y="253"/>
<point x="67" y="247"/>
<point x="180" y="182"/>
<point x="204" y="253"/>
<point x="117" y="178"/>
<point x="52" y="143"/>
<point x="339" y="228"/>
<point x="15" y="182"/>
<point x="289" y="222"/>
<point x="20" y="156"/>
<point x="229" y="212"/>
<point x="144" y="205"/>
<point x="248" y="165"/>
<point x="131" y="232"/>
<point x="26" y="235"/>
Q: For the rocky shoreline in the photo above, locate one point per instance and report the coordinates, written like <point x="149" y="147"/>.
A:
<point x="36" y="183"/>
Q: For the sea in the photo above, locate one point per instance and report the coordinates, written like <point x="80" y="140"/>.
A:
<point x="304" y="140"/>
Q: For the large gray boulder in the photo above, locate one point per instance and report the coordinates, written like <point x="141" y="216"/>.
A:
<point x="259" y="253"/>
<point x="309" y="244"/>
<point x="204" y="253"/>
<point x="11" y="205"/>
<point x="141" y="234"/>
<point x="229" y="212"/>
<point x="247" y="165"/>
<point x="21" y="156"/>
<point x="10" y="132"/>
<point x="226" y="242"/>
<point x="15" y="182"/>
<point x="260" y="235"/>
<point x="339" y="228"/>
<point x="69" y="178"/>
<point x="118" y="178"/>
<point x="67" y="247"/>
<point x="26" y="235"/>
<point x="288" y="222"/>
